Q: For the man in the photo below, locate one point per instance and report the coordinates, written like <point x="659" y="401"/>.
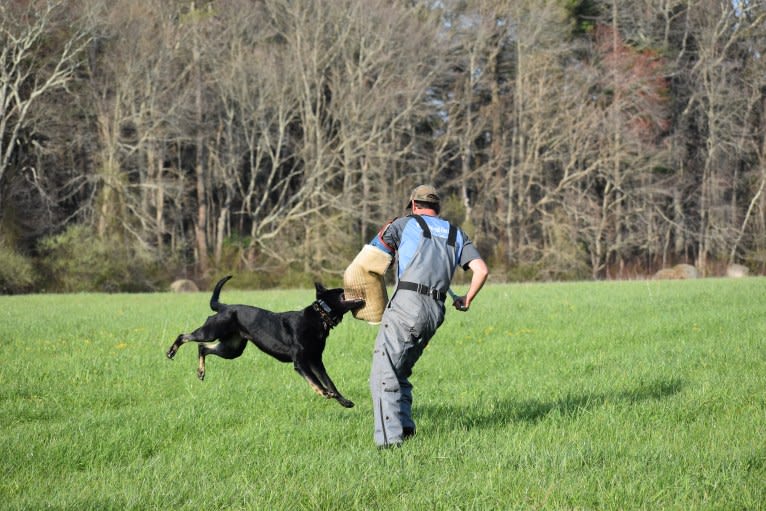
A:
<point x="428" y="249"/>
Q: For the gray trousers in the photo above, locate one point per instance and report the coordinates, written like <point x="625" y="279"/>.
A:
<point x="409" y="322"/>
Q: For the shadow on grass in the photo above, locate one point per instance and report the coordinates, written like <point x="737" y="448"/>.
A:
<point x="507" y="410"/>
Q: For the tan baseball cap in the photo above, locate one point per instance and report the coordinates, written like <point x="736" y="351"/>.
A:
<point x="424" y="193"/>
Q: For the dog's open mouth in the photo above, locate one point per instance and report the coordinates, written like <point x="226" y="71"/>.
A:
<point x="351" y="303"/>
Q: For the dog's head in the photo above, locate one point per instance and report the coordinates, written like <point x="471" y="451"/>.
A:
<point x="336" y="299"/>
<point x="333" y="303"/>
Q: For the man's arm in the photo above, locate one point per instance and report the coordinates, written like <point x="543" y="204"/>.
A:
<point x="480" y="272"/>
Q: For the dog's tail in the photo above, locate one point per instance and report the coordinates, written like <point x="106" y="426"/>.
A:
<point x="214" y="303"/>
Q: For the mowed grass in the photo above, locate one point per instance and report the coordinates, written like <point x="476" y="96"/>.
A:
<point x="609" y="395"/>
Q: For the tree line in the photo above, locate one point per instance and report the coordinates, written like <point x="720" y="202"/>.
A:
<point x="146" y="140"/>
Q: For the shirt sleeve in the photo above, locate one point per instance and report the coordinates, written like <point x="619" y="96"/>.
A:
<point x="378" y="243"/>
<point x="389" y="235"/>
<point x="469" y="252"/>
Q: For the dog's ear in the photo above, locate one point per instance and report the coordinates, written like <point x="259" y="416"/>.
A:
<point x="319" y="287"/>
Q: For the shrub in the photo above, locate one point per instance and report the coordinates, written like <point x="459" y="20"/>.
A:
<point x="77" y="260"/>
<point x="17" y="274"/>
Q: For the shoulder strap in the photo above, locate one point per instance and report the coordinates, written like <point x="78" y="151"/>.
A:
<point x="451" y="237"/>
<point x="423" y="225"/>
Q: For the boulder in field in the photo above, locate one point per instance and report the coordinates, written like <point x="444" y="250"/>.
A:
<point x="184" y="286"/>
<point x="737" y="271"/>
<point x="677" y="272"/>
<point x="686" y="271"/>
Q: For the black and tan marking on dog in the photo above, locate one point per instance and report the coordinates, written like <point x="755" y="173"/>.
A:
<point x="295" y="336"/>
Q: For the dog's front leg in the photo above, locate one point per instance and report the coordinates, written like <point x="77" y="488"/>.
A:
<point x="310" y="378"/>
<point x="307" y="370"/>
<point x="318" y="369"/>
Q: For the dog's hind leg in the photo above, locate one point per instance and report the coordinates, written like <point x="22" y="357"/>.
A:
<point x="231" y="347"/>
<point x="180" y="340"/>
<point x="215" y="326"/>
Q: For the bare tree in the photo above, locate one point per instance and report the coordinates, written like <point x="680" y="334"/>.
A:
<point x="134" y="95"/>
<point x="569" y="138"/>
<point x="379" y="92"/>
<point x="538" y="120"/>
<point x="39" y="55"/>
<point x="718" y="109"/>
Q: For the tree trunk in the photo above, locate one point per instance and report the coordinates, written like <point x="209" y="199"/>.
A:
<point x="200" y="226"/>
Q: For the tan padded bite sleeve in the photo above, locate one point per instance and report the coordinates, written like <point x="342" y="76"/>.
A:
<point x="363" y="278"/>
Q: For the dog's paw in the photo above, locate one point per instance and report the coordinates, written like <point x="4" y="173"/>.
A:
<point x="201" y="375"/>
<point x="171" y="353"/>
<point x="345" y="402"/>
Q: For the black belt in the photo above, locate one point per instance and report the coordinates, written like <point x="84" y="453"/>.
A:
<point x="423" y="290"/>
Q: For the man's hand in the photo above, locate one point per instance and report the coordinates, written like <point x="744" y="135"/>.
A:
<point x="459" y="303"/>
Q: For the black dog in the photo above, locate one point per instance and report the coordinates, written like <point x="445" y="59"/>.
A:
<point x="297" y="336"/>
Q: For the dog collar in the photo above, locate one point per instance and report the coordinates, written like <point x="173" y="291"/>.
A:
<point x="325" y="312"/>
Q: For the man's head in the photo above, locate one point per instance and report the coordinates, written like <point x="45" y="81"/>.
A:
<point x="425" y="196"/>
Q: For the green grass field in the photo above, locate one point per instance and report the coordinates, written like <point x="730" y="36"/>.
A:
<point x="611" y="395"/>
